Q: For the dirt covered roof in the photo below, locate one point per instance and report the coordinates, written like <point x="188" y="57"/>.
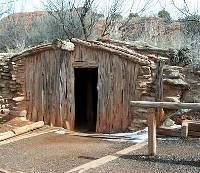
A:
<point x="129" y="51"/>
<point x="139" y="46"/>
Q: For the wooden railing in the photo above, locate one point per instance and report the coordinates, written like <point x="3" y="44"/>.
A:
<point x="152" y="107"/>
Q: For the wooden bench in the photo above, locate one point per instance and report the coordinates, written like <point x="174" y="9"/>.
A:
<point x="152" y="106"/>
<point x="190" y="128"/>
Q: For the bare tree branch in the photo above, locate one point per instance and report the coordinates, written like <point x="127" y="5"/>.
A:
<point x="111" y="17"/>
<point x="76" y="20"/>
<point x="185" y="10"/>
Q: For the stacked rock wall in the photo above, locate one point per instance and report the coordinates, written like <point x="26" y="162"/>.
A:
<point x="192" y="77"/>
<point x="145" y="91"/>
<point x="175" y="85"/>
<point x="9" y="88"/>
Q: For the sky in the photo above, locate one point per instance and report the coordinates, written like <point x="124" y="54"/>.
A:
<point x="153" y="8"/>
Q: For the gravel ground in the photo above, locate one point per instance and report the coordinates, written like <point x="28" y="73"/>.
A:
<point x="60" y="152"/>
<point x="172" y="156"/>
<point x="54" y="153"/>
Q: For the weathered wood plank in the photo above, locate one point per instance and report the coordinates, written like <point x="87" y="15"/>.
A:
<point x="34" y="89"/>
<point x="159" y="91"/>
<point x="85" y="65"/>
<point x="169" y="132"/>
<point x="168" y="105"/>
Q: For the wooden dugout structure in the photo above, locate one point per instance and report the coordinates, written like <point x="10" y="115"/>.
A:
<point x="152" y="106"/>
<point x="88" y="84"/>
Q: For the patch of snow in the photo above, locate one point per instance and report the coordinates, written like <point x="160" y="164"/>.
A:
<point x="168" y="138"/>
<point x="175" y="126"/>
<point x="140" y="136"/>
<point x="60" y="132"/>
<point x="115" y="140"/>
<point x="135" y="137"/>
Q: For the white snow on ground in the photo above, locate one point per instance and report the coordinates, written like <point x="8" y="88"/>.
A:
<point x="175" y="126"/>
<point x="61" y="132"/>
<point x="168" y="138"/>
<point x="135" y="137"/>
<point x="141" y="136"/>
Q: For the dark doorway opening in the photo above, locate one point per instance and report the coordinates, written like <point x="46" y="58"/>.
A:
<point x="86" y="99"/>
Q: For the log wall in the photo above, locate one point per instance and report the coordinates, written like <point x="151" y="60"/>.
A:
<point x="116" y="85"/>
<point x="46" y="89"/>
<point x="47" y="80"/>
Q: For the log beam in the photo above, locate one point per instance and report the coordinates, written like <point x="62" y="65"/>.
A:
<point x="168" y="105"/>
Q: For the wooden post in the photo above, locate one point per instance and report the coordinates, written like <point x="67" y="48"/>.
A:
<point x="159" y="81"/>
<point x="184" y="130"/>
<point x="152" y="131"/>
<point x="159" y="91"/>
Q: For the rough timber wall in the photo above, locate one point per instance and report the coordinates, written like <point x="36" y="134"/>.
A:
<point x="47" y="80"/>
<point x="46" y="88"/>
<point x="119" y="82"/>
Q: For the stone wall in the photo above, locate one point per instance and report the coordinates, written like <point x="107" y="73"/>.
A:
<point x="175" y="85"/>
<point x="192" y="77"/>
<point x="176" y="88"/>
<point x="145" y="91"/>
<point x="9" y="88"/>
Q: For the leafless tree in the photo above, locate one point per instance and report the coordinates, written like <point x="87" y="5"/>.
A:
<point x="76" y="20"/>
<point x="5" y="6"/>
<point x="12" y="28"/>
<point x="113" y="13"/>
<point x="13" y="33"/>
<point x="185" y="10"/>
<point x="79" y="19"/>
<point x="190" y="22"/>
<point x="127" y="25"/>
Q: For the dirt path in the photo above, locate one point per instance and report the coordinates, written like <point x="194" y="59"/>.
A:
<point x="54" y="152"/>
<point x="173" y="156"/>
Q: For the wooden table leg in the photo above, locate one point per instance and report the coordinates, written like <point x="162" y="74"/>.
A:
<point x="152" y="132"/>
<point x="184" y="130"/>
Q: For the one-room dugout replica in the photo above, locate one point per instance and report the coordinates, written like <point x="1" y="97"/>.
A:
<point x="81" y="84"/>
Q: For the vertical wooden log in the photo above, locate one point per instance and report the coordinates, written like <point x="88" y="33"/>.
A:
<point x="152" y="131"/>
<point x="159" y="91"/>
<point x="184" y="130"/>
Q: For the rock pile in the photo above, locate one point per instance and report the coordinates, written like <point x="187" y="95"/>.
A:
<point x="175" y="86"/>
